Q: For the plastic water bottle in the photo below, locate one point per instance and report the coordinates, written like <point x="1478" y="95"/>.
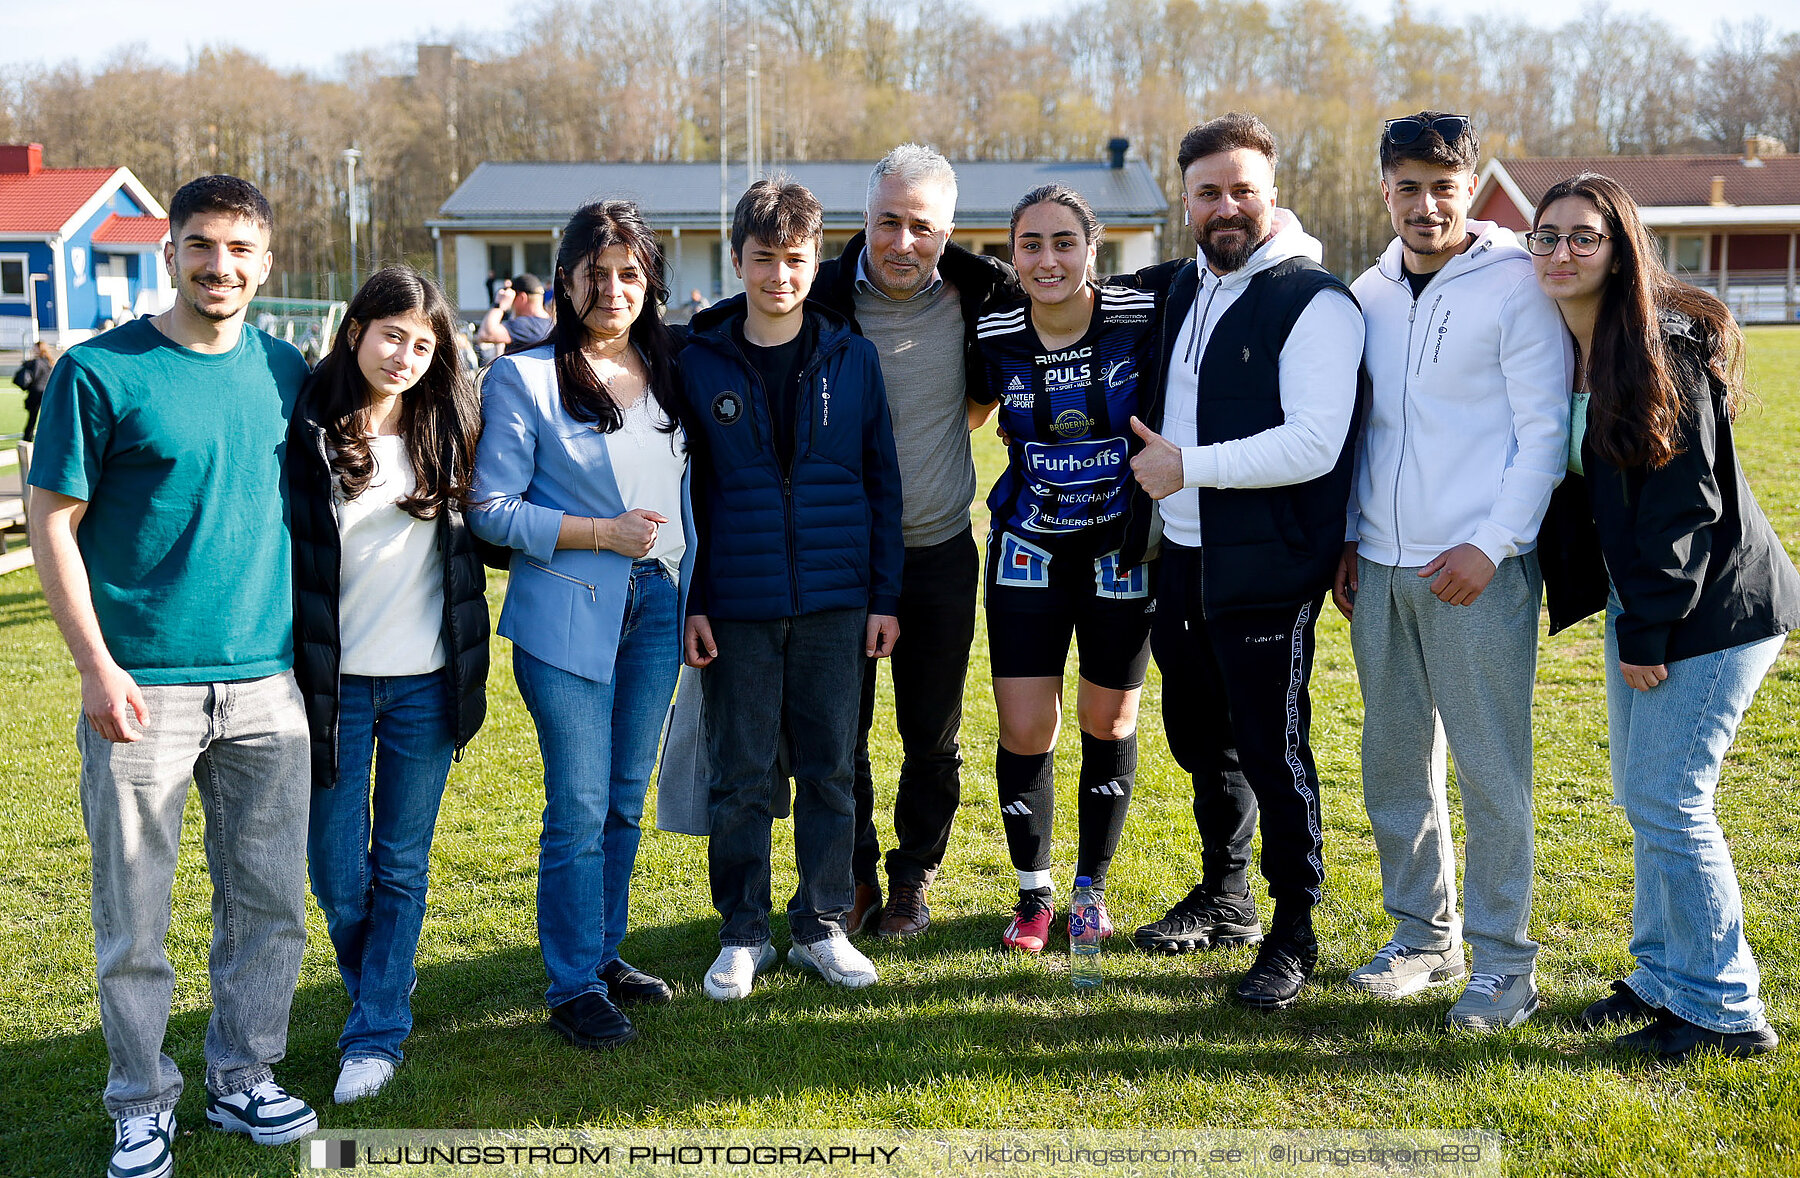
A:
<point x="1084" y="936"/>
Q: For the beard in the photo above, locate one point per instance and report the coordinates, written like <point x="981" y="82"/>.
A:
<point x="195" y="300"/>
<point x="1228" y="256"/>
<point x="1450" y="245"/>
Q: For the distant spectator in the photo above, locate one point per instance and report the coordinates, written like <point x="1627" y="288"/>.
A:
<point x="33" y="376"/>
<point x="529" y="324"/>
<point x="696" y="303"/>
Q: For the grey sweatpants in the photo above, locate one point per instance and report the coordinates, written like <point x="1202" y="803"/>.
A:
<point x="1432" y="673"/>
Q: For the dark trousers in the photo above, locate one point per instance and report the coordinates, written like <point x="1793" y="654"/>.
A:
<point x="930" y="666"/>
<point x="1238" y="718"/>
<point x="792" y="677"/>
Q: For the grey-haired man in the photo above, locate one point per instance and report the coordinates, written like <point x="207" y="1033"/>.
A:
<point x="916" y="295"/>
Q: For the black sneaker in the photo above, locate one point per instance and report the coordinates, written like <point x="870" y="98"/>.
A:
<point x="1673" y="1038"/>
<point x="1286" y="960"/>
<point x="1621" y="1006"/>
<point x="1205" y="919"/>
<point x="629" y="986"/>
<point x="591" y="1020"/>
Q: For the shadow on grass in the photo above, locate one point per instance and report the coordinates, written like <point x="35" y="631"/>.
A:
<point x="949" y="1008"/>
<point x="22" y="601"/>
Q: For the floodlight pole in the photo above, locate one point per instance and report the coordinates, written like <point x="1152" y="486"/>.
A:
<point x="351" y="155"/>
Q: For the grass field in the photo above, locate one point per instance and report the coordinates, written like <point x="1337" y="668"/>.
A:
<point x="957" y="1035"/>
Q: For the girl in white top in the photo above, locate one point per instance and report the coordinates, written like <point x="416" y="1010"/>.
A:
<point x="391" y="636"/>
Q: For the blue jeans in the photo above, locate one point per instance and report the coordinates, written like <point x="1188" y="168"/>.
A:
<point x="598" y="742"/>
<point x="370" y="860"/>
<point x="801" y="677"/>
<point x="1687" y="916"/>
<point x="243" y="746"/>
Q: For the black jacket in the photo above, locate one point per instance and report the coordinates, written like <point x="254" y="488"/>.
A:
<point x="1697" y="567"/>
<point x="1273" y="546"/>
<point x="980" y="282"/>
<point x="34" y="377"/>
<point x="317" y="557"/>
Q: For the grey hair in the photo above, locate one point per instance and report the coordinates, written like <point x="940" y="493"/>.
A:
<point x="914" y="165"/>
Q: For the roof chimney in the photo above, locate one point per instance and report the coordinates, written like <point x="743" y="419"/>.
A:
<point x="1116" y="149"/>
<point x="21" y="159"/>
<point x="1718" y="192"/>
<point x="1759" y="147"/>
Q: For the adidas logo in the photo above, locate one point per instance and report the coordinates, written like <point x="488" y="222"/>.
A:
<point x="1016" y="809"/>
<point x="1111" y="789"/>
<point x="1016" y="385"/>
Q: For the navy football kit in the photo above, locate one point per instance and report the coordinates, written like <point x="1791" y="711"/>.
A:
<point x="1062" y="511"/>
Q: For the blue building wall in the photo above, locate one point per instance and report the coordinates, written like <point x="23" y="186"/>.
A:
<point x="37" y="255"/>
<point x="85" y="304"/>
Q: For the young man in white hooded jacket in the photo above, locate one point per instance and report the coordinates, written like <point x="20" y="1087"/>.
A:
<point x="1466" y="435"/>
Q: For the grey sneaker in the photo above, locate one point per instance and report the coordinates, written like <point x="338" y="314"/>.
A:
<point x="1398" y="970"/>
<point x="1494" y="1002"/>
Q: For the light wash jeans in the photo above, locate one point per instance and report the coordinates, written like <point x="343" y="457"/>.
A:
<point x="244" y="745"/>
<point x="1687" y="916"/>
<point x="370" y="856"/>
<point x="598" y="742"/>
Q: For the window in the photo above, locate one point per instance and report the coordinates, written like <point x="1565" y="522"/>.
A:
<point x="1690" y="253"/>
<point x="537" y="261"/>
<point x="12" y="279"/>
<point x="500" y="259"/>
<point x="1106" y="258"/>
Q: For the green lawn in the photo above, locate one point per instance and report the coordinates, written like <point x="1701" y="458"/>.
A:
<point x="957" y="1035"/>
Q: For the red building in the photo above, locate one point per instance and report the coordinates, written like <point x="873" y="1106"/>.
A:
<point x="1729" y="223"/>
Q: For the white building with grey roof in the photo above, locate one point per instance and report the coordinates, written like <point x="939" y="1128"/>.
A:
<point x="504" y="219"/>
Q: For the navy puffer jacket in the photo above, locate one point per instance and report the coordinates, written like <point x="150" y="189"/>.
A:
<point x="821" y="535"/>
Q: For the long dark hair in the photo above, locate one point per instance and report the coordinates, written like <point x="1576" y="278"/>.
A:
<point x="440" y="417"/>
<point x="590" y="232"/>
<point x="1636" y="403"/>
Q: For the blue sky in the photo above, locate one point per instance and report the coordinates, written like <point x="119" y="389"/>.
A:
<point x="313" y="34"/>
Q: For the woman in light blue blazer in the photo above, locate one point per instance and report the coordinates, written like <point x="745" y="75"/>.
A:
<point x="582" y="472"/>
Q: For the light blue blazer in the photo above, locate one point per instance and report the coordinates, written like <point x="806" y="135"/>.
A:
<point x="535" y="464"/>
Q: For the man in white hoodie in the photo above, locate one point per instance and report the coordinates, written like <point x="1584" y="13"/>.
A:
<point x="1466" y="435"/>
<point x="1252" y="469"/>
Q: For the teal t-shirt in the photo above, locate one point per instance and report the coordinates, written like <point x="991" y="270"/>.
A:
<point x="179" y="456"/>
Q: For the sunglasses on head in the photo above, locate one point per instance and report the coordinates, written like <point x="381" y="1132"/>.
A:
<point x="1402" y="131"/>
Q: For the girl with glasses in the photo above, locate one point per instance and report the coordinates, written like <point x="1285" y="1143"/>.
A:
<point x="1698" y="594"/>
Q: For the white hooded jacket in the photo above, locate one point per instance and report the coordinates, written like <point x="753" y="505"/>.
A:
<point x="1466" y="432"/>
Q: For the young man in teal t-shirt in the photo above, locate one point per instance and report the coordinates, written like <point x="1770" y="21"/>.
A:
<point x="160" y="524"/>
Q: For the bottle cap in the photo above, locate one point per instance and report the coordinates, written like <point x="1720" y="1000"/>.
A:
<point x="1082" y="881"/>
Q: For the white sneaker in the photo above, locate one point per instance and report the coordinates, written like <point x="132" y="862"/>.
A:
<point x="267" y="1112"/>
<point x="836" y="960"/>
<point x="734" y="971"/>
<point x="1399" y="970"/>
<point x="141" y="1146"/>
<point x="365" y="1075"/>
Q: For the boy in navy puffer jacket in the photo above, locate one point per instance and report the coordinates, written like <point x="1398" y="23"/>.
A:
<point x="797" y="501"/>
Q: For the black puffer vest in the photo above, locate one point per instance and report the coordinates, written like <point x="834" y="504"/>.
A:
<point x="317" y="558"/>
<point x="1270" y="546"/>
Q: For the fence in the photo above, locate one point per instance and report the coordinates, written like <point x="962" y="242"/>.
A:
<point x="308" y="324"/>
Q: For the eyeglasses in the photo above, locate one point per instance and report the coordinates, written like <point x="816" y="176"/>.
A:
<point x="1402" y="131"/>
<point x="1583" y="243"/>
